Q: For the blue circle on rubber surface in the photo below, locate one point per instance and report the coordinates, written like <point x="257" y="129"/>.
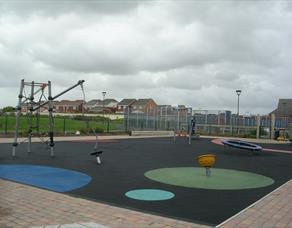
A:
<point x="51" y="178"/>
<point x="149" y="194"/>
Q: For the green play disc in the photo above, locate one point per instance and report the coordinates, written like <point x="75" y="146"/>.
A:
<point x="220" y="179"/>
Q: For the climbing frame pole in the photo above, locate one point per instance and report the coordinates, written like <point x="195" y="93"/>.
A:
<point x="20" y="96"/>
<point x="30" y="114"/>
<point x="33" y="106"/>
<point x="51" y="122"/>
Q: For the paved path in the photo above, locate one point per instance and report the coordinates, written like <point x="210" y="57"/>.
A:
<point x="272" y="211"/>
<point x="24" y="206"/>
<point x="79" y="138"/>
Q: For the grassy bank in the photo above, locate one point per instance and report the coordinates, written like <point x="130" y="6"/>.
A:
<point x="62" y="124"/>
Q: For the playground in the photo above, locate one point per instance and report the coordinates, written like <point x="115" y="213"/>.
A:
<point x="154" y="175"/>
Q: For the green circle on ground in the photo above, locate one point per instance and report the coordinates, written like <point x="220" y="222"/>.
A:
<point x="220" y="179"/>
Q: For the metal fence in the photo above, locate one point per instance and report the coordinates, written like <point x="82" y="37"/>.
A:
<point x="221" y="122"/>
<point x="164" y="118"/>
<point x="208" y="122"/>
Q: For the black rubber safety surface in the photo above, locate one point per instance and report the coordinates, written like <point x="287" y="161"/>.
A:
<point x="124" y="163"/>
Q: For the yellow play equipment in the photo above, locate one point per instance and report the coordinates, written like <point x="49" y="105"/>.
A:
<point x="207" y="161"/>
<point x="283" y="135"/>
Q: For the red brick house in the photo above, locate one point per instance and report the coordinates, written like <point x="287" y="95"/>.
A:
<point x="66" y="106"/>
<point x="123" y="104"/>
<point x="147" y="106"/>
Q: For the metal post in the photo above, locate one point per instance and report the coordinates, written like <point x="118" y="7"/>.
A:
<point x="51" y="123"/>
<point x="165" y="117"/>
<point x="238" y="92"/>
<point x="137" y="121"/>
<point x="146" y="118"/>
<point x="190" y="131"/>
<point x="128" y="122"/>
<point x="273" y="118"/>
<point x="258" y="126"/>
<point x="177" y="128"/>
<point x="108" y="123"/>
<point x="31" y="98"/>
<point x="160" y="118"/>
<point x="103" y="95"/>
<point x="20" y="96"/>
<point x="64" y="125"/>
<point x="38" y="121"/>
<point x="6" y="124"/>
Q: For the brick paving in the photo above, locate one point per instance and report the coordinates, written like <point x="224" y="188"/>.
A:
<point x="25" y="206"/>
<point x="272" y="211"/>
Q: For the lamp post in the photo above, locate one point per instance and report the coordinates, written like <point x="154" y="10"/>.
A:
<point x="103" y="95"/>
<point x="238" y="92"/>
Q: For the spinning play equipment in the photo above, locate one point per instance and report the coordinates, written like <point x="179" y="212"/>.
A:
<point x="241" y="145"/>
<point x="207" y="161"/>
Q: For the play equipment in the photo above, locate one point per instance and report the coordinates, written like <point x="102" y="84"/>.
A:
<point x="207" y="161"/>
<point x="191" y="133"/>
<point x="282" y="135"/>
<point x="27" y="102"/>
<point x="241" y="145"/>
<point x="97" y="152"/>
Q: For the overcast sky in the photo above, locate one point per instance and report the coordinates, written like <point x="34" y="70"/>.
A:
<point x="195" y="53"/>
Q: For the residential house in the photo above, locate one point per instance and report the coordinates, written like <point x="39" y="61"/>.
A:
<point x="146" y="106"/>
<point x="109" y="105"/>
<point x="93" y="104"/>
<point x="98" y="106"/>
<point x="66" y="106"/>
<point x="163" y="110"/>
<point x="284" y="108"/>
<point x="124" y="104"/>
<point x="283" y="114"/>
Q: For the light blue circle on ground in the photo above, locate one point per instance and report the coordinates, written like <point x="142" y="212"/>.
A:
<point x="51" y="178"/>
<point x="149" y="194"/>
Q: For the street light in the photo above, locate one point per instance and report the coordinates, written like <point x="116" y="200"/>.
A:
<point x="238" y="92"/>
<point x="103" y="95"/>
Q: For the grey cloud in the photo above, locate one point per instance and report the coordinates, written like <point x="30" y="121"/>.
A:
<point x="192" y="52"/>
<point x="55" y="7"/>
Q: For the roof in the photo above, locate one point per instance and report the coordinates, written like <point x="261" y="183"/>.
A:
<point x="108" y="101"/>
<point x="126" y="101"/>
<point x="163" y="106"/>
<point x="93" y="102"/>
<point x="142" y="102"/>
<point x="284" y="108"/>
<point x="67" y="102"/>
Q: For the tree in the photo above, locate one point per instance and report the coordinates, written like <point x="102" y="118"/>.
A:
<point x="8" y="109"/>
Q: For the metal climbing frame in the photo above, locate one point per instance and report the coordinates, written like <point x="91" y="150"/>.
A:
<point x="32" y="106"/>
